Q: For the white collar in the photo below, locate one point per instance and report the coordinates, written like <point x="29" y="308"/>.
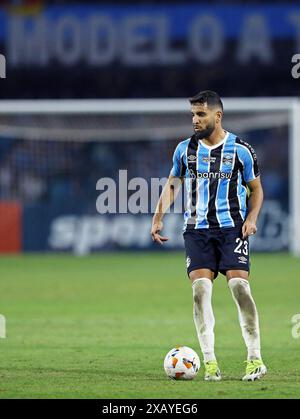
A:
<point x="212" y="147"/>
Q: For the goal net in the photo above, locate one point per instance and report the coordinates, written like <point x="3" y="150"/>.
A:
<point x="57" y="155"/>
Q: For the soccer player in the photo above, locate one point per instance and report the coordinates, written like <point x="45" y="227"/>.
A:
<point x="217" y="168"/>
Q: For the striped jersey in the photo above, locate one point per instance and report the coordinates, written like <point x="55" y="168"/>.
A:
<point x="215" y="180"/>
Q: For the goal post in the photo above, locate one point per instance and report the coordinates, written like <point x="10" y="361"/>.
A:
<point x="142" y="122"/>
<point x="294" y="176"/>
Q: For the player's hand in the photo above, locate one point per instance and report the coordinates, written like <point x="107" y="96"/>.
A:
<point x="156" y="237"/>
<point x="249" y="228"/>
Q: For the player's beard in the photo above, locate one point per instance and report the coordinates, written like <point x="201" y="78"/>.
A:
<point x="205" y="133"/>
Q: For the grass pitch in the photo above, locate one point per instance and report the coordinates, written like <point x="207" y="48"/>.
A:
<point x="100" y="326"/>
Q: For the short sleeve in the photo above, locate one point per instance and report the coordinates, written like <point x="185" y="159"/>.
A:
<point x="248" y="158"/>
<point x="177" y="169"/>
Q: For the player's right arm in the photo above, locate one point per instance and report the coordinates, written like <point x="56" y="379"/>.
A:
<point x="166" y="199"/>
<point x="168" y="195"/>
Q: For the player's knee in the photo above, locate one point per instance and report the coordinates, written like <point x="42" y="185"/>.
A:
<point x="201" y="273"/>
<point x="237" y="274"/>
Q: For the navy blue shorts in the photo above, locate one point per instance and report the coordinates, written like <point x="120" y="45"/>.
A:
<point x="219" y="250"/>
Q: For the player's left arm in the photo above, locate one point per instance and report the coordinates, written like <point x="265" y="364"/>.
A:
<point x="254" y="206"/>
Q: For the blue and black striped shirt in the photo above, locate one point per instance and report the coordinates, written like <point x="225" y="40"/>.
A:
<point x="215" y="179"/>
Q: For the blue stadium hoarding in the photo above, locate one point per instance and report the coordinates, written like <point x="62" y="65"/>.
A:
<point x="99" y="35"/>
<point x="71" y="228"/>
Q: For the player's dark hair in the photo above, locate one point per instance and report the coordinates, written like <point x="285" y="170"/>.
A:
<point x="212" y="99"/>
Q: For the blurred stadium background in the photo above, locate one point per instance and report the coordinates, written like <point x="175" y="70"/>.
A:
<point x="55" y="50"/>
<point x="92" y="88"/>
<point x="54" y="152"/>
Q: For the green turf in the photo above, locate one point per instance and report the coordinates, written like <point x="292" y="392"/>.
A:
<point x="100" y="326"/>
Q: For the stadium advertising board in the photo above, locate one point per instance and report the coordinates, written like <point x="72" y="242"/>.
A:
<point x="90" y="39"/>
<point x="73" y="230"/>
<point x="91" y="34"/>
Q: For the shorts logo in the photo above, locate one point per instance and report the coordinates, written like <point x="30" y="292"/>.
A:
<point x="243" y="260"/>
<point x="228" y="159"/>
<point x="188" y="262"/>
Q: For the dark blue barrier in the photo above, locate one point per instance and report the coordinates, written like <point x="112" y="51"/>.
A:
<point x="68" y="227"/>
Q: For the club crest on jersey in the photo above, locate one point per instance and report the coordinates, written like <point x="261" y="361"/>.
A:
<point x="228" y="159"/>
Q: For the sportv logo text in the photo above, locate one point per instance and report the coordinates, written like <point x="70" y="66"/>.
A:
<point x="83" y="234"/>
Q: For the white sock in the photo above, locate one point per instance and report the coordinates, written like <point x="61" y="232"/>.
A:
<point x="248" y="316"/>
<point x="204" y="317"/>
